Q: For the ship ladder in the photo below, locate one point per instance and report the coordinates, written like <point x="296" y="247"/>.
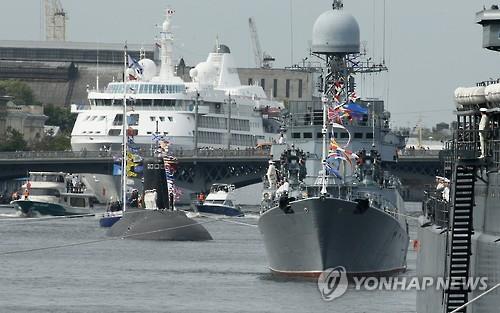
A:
<point x="461" y="224"/>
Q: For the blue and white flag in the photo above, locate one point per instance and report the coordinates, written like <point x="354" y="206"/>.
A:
<point x="133" y="64"/>
<point x="157" y="137"/>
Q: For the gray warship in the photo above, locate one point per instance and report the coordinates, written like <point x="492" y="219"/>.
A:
<point x="351" y="215"/>
<point x="460" y="236"/>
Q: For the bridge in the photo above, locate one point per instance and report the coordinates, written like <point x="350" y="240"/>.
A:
<point x="197" y="170"/>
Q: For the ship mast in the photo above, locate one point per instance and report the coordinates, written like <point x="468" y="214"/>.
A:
<point x="124" y="133"/>
<point x="166" y="41"/>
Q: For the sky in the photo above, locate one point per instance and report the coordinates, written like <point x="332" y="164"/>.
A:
<point x="430" y="49"/>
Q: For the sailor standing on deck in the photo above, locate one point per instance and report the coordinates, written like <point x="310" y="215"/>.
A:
<point x="271" y="175"/>
<point x="483" y="130"/>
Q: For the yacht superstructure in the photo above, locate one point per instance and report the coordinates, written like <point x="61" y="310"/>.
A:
<point x="188" y="114"/>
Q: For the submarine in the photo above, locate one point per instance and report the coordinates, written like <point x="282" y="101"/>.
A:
<point x="158" y="219"/>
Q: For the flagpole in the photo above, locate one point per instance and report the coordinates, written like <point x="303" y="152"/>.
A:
<point x="124" y="134"/>
<point x="324" y="131"/>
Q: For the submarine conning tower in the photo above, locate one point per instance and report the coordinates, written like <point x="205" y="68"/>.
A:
<point x="489" y="19"/>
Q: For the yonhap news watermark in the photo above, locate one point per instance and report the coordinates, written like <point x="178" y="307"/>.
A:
<point x="333" y="283"/>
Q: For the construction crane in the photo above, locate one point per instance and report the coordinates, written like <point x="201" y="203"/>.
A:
<point x="262" y="59"/>
<point x="55" y="21"/>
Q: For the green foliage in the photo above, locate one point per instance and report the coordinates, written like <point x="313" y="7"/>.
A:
<point x="22" y="93"/>
<point x="13" y="141"/>
<point x="57" y="143"/>
<point x="61" y="117"/>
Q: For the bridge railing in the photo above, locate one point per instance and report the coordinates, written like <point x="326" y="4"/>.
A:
<point x="200" y="153"/>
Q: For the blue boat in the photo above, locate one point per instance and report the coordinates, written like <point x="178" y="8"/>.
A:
<point x="220" y="201"/>
<point x="109" y="218"/>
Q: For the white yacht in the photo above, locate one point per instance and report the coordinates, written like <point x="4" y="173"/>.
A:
<point x="189" y="114"/>
<point x="56" y="194"/>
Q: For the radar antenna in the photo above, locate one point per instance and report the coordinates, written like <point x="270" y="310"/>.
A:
<point x="338" y="5"/>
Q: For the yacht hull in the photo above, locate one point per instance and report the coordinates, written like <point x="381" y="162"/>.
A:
<point x="31" y="208"/>
<point x="219" y="210"/>
<point x="325" y="233"/>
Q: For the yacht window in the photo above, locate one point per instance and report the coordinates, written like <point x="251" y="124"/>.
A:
<point x="84" y="132"/>
<point x="141" y="89"/>
<point x="93" y="118"/>
<point x="295" y="135"/>
<point x="114" y="132"/>
<point x="308" y="135"/>
<point x="101" y="118"/>
<point x="149" y="133"/>
<point x="319" y="135"/>
<point x="369" y="135"/>
<point x="98" y="132"/>
<point x="91" y="131"/>
<point x="171" y="119"/>
<point x="118" y="121"/>
<point x="133" y="120"/>
<point x="165" y="133"/>
<point x="344" y="135"/>
<point x="218" y="201"/>
<point x="358" y="135"/>
<point x="155" y="88"/>
<point x="44" y="192"/>
<point x="86" y="118"/>
<point x="77" y="202"/>
<point x="162" y="118"/>
<point x="152" y="118"/>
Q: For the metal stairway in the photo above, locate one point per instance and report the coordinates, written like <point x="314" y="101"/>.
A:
<point x="461" y="232"/>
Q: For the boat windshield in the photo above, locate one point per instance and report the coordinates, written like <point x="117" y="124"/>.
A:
<point x="216" y="201"/>
<point x="44" y="192"/>
<point x="48" y="178"/>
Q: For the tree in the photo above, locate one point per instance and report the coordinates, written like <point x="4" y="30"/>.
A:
<point x="14" y="141"/>
<point x="22" y="93"/>
<point x="49" y="143"/>
<point x="61" y="117"/>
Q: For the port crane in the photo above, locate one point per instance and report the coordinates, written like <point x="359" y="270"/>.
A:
<point x="262" y="59"/>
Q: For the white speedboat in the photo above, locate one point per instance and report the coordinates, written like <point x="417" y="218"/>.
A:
<point x="55" y="194"/>
<point x="220" y="201"/>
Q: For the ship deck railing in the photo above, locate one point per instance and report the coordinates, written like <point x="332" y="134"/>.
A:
<point x="435" y="208"/>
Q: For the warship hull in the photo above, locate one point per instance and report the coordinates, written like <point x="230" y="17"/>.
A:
<point x="323" y="233"/>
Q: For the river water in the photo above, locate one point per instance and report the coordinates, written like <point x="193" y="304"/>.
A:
<point x="228" y="274"/>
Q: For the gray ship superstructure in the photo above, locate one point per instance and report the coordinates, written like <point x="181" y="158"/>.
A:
<point x="350" y="214"/>
<point x="460" y="236"/>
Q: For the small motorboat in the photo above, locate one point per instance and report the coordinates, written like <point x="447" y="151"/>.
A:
<point x="219" y="201"/>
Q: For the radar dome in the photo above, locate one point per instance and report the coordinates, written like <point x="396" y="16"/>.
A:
<point x="335" y="32"/>
<point x="149" y="69"/>
<point x="204" y="73"/>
